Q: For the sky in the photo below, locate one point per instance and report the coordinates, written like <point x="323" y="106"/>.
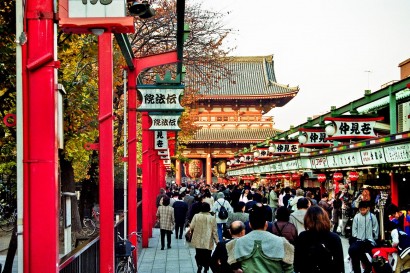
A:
<point x="332" y="49"/>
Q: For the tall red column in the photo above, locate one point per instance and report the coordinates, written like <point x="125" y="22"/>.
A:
<point x="146" y="178"/>
<point x="106" y="153"/>
<point x="394" y="189"/>
<point x="132" y="157"/>
<point x="40" y="160"/>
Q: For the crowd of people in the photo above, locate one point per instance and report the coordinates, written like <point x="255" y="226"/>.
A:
<point x="239" y="228"/>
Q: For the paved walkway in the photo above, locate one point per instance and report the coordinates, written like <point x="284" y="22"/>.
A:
<point x="181" y="257"/>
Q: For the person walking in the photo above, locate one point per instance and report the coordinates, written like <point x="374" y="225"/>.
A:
<point x="165" y="214"/>
<point x="294" y="201"/>
<point x="180" y="214"/>
<point x="317" y="249"/>
<point x="204" y="236"/>
<point x="297" y="217"/>
<point x="282" y="227"/>
<point x="365" y="231"/>
<point x="260" y="250"/>
<point x="219" y="203"/>
<point x="273" y="201"/>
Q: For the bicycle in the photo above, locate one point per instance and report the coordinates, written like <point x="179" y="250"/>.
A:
<point x="123" y="251"/>
<point x="91" y="224"/>
<point x="7" y="217"/>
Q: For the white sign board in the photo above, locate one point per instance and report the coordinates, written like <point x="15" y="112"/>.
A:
<point x="373" y="156"/>
<point x="397" y="153"/>
<point x="161" y="140"/>
<point x="96" y="8"/>
<point x="161" y="122"/>
<point x="344" y="160"/>
<point x="161" y="100"/>
<point x="319" y="162"/>
<point x="291" y="165"/>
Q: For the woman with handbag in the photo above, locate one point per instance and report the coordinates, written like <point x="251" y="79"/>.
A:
<point x="165" y="215"/>
<point x="204" y="235"/>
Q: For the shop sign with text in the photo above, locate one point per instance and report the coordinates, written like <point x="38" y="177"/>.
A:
<point x="164" y="122"/>
<point x="373" y="156"/>
<point x="352" y="127"/>
<point x="397" y="153"/>
<point x="285" y="147"/>
<point x="319" y="162"/>
<point x="344" y="160"/>
<point x="314" y="137"/>
<point x="161" y="140"/>
<point x="160" y="100"/>
<point x="96" y="8"/>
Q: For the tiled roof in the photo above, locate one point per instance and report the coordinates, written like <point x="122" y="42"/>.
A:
<point x="233" y="135"/>
<point x="252" y="76"/>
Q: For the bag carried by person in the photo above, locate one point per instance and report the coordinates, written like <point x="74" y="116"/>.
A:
<point x="223" y="213"/>
<point x="188" y="234"/>
<point x="320" y="258"/>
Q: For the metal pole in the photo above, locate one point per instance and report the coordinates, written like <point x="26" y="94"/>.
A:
<point x="20" y="41"/>
<point x="125" y="154"/>
<point x="106" y="153"/>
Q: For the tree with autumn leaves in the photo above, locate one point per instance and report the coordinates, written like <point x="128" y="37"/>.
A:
<point x="79" y="76"/>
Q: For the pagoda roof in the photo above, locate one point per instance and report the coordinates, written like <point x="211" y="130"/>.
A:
<point x="250" y="135"/>
<point x="252" y="78"/>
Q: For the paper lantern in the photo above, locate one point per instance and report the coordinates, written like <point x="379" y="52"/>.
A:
<point x="295" y="176"/>
<point x="353" y="176"/>
<point x="286" y="176"/>
<point x="194" y="168"/>
<point x="337" y="177"/>
<point x="321" y="177"/>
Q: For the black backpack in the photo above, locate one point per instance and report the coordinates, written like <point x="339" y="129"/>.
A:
<point x="320" y="258"/>
<point x="223" y="213"/>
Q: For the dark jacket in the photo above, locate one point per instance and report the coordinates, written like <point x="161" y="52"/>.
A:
<point x="285" y="229"/>
<point x="219" y="259"/>
<point x="180" y="211"/>
<point x="308" y="238"/>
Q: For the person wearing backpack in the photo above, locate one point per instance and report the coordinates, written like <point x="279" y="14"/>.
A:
<point x="317" y="249"/>
<point x="365" y="231"/>
<point x="222" y="209"/>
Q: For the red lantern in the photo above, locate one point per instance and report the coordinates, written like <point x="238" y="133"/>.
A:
<point x="273" y="177"/>
<point x="353" y="176"/>
<point x="321" y="177"/>
<point x="295" y="176"/>
<point x="286" y="176"/>
<point x="337" y="177"/>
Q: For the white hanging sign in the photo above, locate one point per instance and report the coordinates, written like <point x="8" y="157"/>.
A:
<point x="319" y="162"/>
<point x="373" y="156"/>
<point x="161" y="122"/>
<point x="160" y="100"/>
<point x="161" y="140"/>
<point x="353" y="127"/>
<point x="397" y="153"/>
<point x="96" y="8"/>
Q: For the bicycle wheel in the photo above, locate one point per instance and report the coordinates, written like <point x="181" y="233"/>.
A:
<point x="121" y="267"/>
<point x="130" y="265"/>
<point x="8" y="224"/>
<point x="89" y="226"/>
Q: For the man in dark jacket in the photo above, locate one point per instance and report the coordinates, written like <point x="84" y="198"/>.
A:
<point x="180" y="212"/>
<point x="219" y="259"/>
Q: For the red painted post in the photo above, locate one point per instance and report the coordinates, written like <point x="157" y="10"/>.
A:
<point x="40" y="159"/>
<point x="106" y="153"/>
<point x="132" y="157"/>
<point x="145" y="180"/>
<point x="394" y="189"/>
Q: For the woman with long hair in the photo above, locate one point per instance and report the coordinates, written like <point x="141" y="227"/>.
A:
<point x="204" y="236"/>
<point x="317" y="249"/>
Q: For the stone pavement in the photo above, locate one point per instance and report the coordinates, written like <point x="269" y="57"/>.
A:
<point x="180" y="258"/>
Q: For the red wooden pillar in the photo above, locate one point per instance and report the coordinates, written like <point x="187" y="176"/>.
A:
<point x="40" y="159"/>
<point x="106" y="153"/>
<point x="178" y="172"/>
<point x="208" y="169"/>
<point x="132" y="157"/>
<point x="394" y="189"/>
<point x="145" y="180"/>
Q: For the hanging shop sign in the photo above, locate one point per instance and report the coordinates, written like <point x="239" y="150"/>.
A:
<point x="351" y="127"/>
<point x="397" y="153"/>
<point x="373" y="156"/>
<point x="291" y="165"/>
<point x="263" y="153"/>
<point x="344" y="160"/>
<point x="319" y="162"/>
<point x="164" y="122"/>
<point x="160" y="99"/>
<point x="96" y="8"/>
<point x="314" y="137"/>
<point x="284" y="147"/>
<point x="94" y="16"/>
<point x="161" y="140"/>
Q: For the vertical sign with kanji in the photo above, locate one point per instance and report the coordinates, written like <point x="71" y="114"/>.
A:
<point x="161" y="140"/>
